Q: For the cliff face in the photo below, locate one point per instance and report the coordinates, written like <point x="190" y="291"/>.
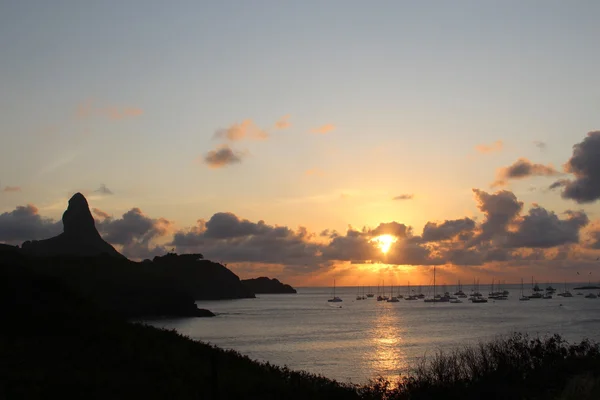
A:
<point x="265" y="285"/>
<point x="79" y="237"/>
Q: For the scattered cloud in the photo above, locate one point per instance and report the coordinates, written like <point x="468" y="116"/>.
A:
<point x="559" y="183"/>
<point x="134" y="232"/>
<point x="11" y="189"/>
<point x="222" y="157"/>
<point x="447" y="230"/>
<point x="540" y="145"/>
<point x="585" y="165"/>
<point x="404" y="197"/>
<point x="283" y="123"/>
<point x="245" y="130"/>
<point x="543" y="229"/>
<point x="490" y="148"/>
<point x="25" y="223"/>
<point x="323" y="129"/>
<point x="99" y="213"/>
<point x="500" y="209"/>
<point x="503" y="236"/>
<point x="523" y="168"/>
<point x="104" y="190"/>
<point x="88" y="109"/>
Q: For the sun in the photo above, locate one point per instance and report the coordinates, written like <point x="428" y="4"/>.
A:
<point x="384" y="242"/>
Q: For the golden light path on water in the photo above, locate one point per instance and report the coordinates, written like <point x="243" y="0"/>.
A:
<point x="387" y="342"/>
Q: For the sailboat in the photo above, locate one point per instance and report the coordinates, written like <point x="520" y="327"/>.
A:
<point x="335" y="299"/>
<point x="358" y="295"/>
<point x="523" y="297"/>
<point x="536" y="291"/>
<point x="392" y="299"/>
<point x="436" y="298"/>
<point x="477" y="297"/>
<point x="409" y="296"/>
<point x="460" y="292"/>
<point x="565" y="293"/>
<point x="369" y="293"/>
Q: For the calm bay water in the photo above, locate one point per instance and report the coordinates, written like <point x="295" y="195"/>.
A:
<point x="364" y="339"/>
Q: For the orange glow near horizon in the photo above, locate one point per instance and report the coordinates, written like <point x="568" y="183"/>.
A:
<point x="384" y="242"/>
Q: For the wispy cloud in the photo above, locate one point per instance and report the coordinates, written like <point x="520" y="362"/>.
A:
<point x="283" y="123"/>
<point x="104" y="190"/>
<point x="245" y="130"/>
<point x="490" y="148"/>
<point x="323" y="129"/>
<point x="88" y="109"/>
<point x="11" y="189"/>
<point x="222" y="157"/>
<point x="404" y="197"/>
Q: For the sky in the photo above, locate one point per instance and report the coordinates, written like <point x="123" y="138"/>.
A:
<point x="186" y="124"/>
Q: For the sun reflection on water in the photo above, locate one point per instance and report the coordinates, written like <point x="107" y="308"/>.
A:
<point x="389" y="357"/>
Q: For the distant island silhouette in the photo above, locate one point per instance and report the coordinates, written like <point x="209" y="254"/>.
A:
<point x="264" y="285"/>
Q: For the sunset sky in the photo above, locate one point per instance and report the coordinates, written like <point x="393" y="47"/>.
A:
<point x="187" y="123"/>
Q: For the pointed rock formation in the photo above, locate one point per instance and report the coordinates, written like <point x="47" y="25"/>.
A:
<point x="79" y="237"/>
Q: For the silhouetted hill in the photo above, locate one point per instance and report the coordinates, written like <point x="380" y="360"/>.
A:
<point x="112" y="285"/>
<point x="56" y="344"/>
<point x="79" y="237"/>
<point x="201" y="279"/>
<point x="264" y="285"/>
<point x="167" y="285"/>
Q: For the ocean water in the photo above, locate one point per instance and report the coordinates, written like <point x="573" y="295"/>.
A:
<point x="365" y="339"/>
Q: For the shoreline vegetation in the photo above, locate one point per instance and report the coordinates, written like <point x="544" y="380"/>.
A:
<point x="56" y="342"/>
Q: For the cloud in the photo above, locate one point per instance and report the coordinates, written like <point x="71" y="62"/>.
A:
<point x="104" y="190"/>
<point x="540" y="145"/>
<point x="100" y="213"/>
<point x="25" y="223"/>
<point x="11" y="189"/>
<point x="543" y="229"/>
<point x="134" y="232"/>
<point x="222" y="157"/>
<point x="585" y="165"/>
<point x="283" y="123"/>
<point x="523" y="168"/>
<point x="500" y="209"/>
<point x="449" y="229"/>
<point x="594" y="235"/>
<point x="404" y="197"/>
<point x="323" y="129"/>
<point x="490" y="148"/>
<point x="133" y="226"/>
<point x="245" y="130"/>
<point x="88" y="109"/>
<point x="226" y="237"/>
<point x="559" y="183"/>
<point x="391" y="228"/>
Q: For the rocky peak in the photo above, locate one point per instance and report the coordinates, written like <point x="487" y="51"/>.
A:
<point x="77" y="219"/>
<point x="79" y="237"/>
